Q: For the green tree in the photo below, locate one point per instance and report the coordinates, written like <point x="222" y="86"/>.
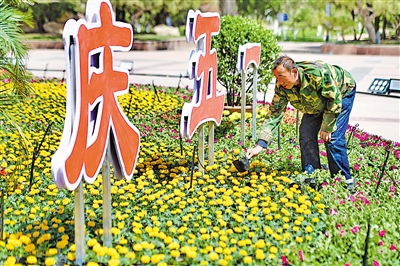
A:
<point x="154" y="12"/>
<point x="47" y="11"/>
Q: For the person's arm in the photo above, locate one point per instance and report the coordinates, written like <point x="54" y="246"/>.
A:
<point x="271" y="123"/>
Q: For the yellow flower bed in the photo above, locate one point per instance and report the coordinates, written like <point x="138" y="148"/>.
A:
<point x="169" y="213"/>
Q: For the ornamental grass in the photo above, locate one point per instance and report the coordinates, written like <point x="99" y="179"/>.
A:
<point x="169" y="213"/>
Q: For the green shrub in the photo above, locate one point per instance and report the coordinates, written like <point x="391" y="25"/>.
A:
<point x="236" y="31"/>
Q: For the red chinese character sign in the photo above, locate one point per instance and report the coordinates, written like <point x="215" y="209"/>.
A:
<point x="248" y="55"/>
<point x="208" y="103"/>
<point x="94" y="118"/>
<point x="95" y="127"/>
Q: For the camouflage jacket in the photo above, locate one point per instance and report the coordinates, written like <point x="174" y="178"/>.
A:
<point x="321" y="89"/>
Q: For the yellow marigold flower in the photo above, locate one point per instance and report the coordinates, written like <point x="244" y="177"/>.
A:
<point x="309" y="229"/>
<point x="268" y="230"/>
<point x="297" y="222"/>
<point x="31" y="260"/>
<point x="113" y="262"/>
<point x="191" y="254"/>
<point x="299" y="239"/>
<point x="315" y="219"/>
<point x="30" y="247"/>
<point x="222" y="262"/>
<point x="213" y="256"/>
<point x="175" y="253"/>
<point x="247" y="260"/>
<point x="273" y="249"/>
<point x="145" y="259"/>
<point x="92" y="263"/>
<point x="49" y="261"/>
<point x="137" y="247"/>
<point x="260" y="254"/>
<point x="11" y="260"/>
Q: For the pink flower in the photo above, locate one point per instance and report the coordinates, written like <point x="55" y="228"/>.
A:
<point x="347" y="264"/>
<point x="355" y="229"/>
<point x="284" y="261"/>
<point x="392" y="188"/>
<point x="326" y="234"/>
<point x="393" y="247"/>
<point x="367" y="182"/>
<point x="382" y="233"/>
<point x="300" y="253"/>
<point x="380" y="243"/>
<point x="376" y="263"/>
<point x="333" y="212"/>
<point x="352" y="198"/>
<point x="338" y="226"/>
<point x="342" y="201"/>
<point x="356" y="167"/>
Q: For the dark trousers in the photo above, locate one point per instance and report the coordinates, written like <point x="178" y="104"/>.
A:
<point x="336" y="149"/>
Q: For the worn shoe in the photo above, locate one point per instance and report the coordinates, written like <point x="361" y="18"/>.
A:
<point x="351" y="187"/>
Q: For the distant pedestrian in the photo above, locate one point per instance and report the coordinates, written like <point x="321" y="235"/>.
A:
<point x="325" y="94"/>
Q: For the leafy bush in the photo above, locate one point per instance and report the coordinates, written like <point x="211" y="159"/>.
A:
<point x="236" y="31"/>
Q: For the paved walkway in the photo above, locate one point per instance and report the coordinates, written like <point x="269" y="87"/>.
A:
<point x="375" y="114"/>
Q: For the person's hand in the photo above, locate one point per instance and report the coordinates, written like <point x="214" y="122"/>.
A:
<point x="325" y="136"/>
<point x="253" y="151"/>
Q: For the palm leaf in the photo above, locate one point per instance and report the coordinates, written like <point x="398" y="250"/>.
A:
<point x="14" y="49"/>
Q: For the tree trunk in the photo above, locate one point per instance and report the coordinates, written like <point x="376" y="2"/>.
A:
<point x="384" y="28"/>
<point x="368" y="17"/>
<point x="371" y="30"/>
<point x="228" y="7"/>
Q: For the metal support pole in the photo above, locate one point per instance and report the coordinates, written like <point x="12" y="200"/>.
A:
<point x="201" y="148"/>
<point x="243" y="109"/>
<point x="107" y="222"/>
<point x="297" y="126"/>
<point x="2" y="214"/>
<point x="254" y="121"/>
<point x="279" y="137"/>
<point x="79" y="212"/>
<point x="210" y="143"/>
